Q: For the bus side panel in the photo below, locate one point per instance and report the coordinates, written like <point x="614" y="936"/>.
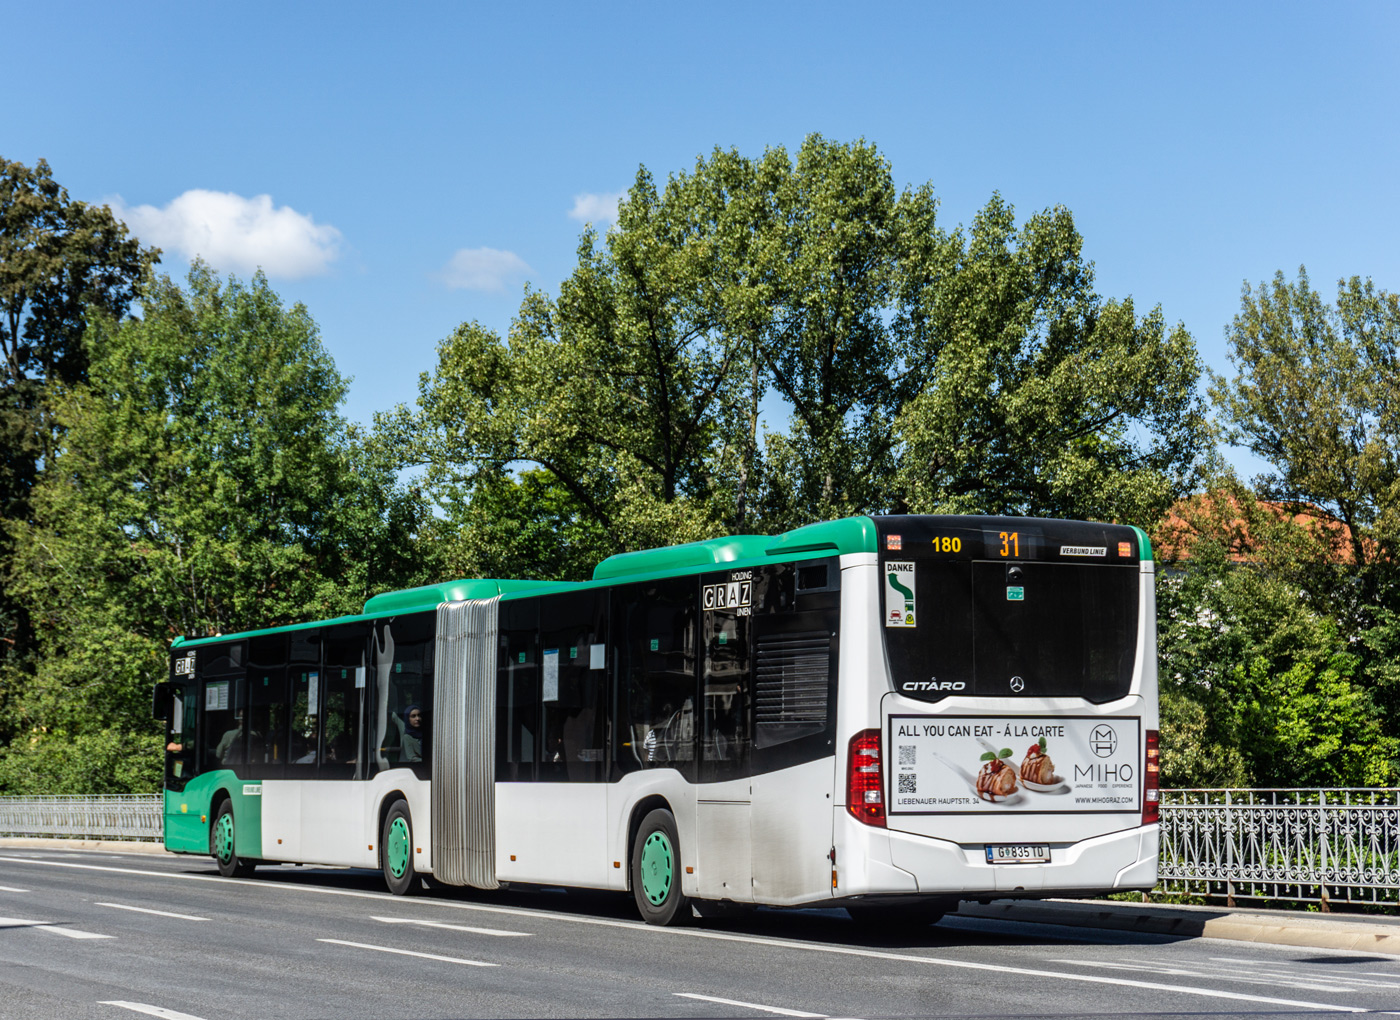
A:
<point x="792" y="833"/>
<point x="382" y="789"/>
<point x="629" y="791"/>
<point x="188" y="814"/>
<point x="281" y="806"/>
<point x="554" y="833"/>
<point x="333" y="824"/>
<point x="862" y="654"/>
<point x="724" y="841"/>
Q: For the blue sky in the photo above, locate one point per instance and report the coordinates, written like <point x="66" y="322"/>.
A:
<point x="421" y="164"/>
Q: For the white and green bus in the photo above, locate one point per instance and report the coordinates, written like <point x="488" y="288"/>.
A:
<point x="887" y="714"/>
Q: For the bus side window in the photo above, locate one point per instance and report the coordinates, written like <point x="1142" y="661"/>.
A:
<point x="726" y="683"/>
<point x="403" y="682"/>
<point x="225" y="725"/>
<point x="518" y="691"/>
<point x="224" y="707"/>
<point x="266" y="674"/>
<point x="303" y="740"/>
<point x="655" y="645"/>
<point x="345" y="701"/>
<point x="411" y="692"/>
<point x="267" y="721"/>
<point x="179" y="736"/>
<point x="572" y="686"/>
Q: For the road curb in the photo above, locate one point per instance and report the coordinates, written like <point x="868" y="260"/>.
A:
<point x="1358" y="935"/>
<point x="127" y="846"/>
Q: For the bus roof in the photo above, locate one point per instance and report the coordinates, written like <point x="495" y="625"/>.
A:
<point x="829" y="538"/>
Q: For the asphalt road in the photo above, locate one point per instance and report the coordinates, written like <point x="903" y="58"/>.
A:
<point x="104" y="935"/>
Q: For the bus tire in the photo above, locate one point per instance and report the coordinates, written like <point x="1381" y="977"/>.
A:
<point x="396" y="851"/>
<point x="656" y="871"/>
<point x="221" y="845"/>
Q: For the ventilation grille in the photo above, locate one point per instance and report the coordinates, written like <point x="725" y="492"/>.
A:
<point x="792" y="678"/>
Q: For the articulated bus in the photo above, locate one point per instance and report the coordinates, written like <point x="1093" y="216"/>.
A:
<point x="886" y="714"/>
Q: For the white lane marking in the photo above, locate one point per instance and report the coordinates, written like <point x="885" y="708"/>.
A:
<point x="409" y="952"/>
<point x="657" y="931"/>
<point x="1346" y="977"/>
<point x="1176" y="971"/>
<point x="451" y="927"/>
<point x="1351" y="980"/>
<point x="10" y="888"/>
<point x="748" y="1005"/>
<point x="49" y="926"/>
<point x="149" y="1010"/>
<point x="148" y="910"/>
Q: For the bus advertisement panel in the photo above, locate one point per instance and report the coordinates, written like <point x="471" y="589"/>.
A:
<point x="1015" y="764"/>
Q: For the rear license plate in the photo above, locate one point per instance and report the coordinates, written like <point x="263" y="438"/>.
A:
<point x="1018" y="853"/>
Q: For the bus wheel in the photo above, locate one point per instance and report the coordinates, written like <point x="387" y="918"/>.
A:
<point x="656" y="871"/>
<point x="221" y="845"/>
<point x="396" y="851"/>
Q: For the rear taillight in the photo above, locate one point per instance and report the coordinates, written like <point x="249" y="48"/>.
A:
<point x="865" y="799"/>
<point x="1151" y="794"/>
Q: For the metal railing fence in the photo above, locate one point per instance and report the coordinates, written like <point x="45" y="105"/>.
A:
<point x="1300" y="845"/>
<point x="118" y="816"/>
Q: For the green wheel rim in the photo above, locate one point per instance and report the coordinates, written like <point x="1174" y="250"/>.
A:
<point x="658" y="868"/>
<point x="223" y="837"/>
<point x="398" y="847"/>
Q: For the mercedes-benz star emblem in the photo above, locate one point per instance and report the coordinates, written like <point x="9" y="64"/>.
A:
<point x="1017" y="684"/>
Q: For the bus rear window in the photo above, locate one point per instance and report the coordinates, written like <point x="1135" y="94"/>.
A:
<point x="1020" y="629"/>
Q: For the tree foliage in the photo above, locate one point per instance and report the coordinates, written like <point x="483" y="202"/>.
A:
<point x="1034" y="395"/>
<point x="919" y="369"/>
<point x="59" y="260"/>
<point x="204" y="483"/>
<point x="1317" y="397"/>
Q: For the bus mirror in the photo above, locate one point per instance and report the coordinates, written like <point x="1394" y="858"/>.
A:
<point x="160" y="704"/>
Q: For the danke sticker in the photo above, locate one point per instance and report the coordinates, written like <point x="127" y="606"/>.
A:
<point x="899" y="594"/>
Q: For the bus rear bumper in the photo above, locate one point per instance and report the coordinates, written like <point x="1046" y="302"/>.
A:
<point x="924" y="865"/>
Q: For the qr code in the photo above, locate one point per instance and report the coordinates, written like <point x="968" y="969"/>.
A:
<point x="906" y="754"/>
<point x="907" y="783"/>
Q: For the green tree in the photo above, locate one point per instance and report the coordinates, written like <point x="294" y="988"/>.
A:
<point x="834" y="243"/>
<point x="1317" y="397"/>
<point x="919" y="370"/>
<point x="204" y="483"/>
<point x="1258" y="685"/>
<point x="1034" y="395"/>
<point x="59" y="259"/>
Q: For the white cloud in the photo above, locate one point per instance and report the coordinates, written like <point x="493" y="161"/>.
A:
<point x="483" y="269"/>
<point x="236" y="234"/>
<point x="590" y="208"/>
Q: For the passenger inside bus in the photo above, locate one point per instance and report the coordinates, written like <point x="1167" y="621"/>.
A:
<point x="411" y="747"/>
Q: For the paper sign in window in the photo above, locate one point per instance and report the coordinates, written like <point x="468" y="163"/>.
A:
<point x="551" y="674"/>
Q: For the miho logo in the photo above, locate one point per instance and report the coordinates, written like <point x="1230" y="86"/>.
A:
<point x="1103" y="740"/>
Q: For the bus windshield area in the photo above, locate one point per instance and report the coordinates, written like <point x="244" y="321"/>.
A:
<point x="1010" y="629"/>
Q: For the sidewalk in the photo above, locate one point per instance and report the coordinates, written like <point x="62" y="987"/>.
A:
<point x="1362" y="933"/>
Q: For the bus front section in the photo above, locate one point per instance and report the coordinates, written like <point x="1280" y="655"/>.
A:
<point x="1006" y="742"/>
